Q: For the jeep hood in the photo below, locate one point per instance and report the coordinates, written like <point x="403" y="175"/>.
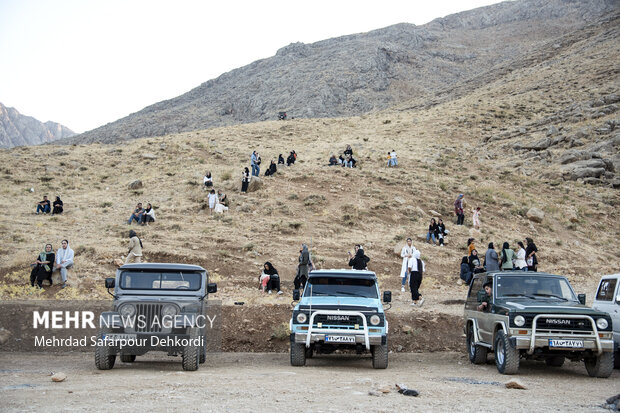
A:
<point x="340" y="303"/>
<point x="553" y="306"/>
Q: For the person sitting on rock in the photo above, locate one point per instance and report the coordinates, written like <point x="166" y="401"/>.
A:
<point x="64" y="261"/>
<point x="148" y="215"/>
<point x="43" y="267"/>
<point x="58" y="206"/>
<point x="44" y="206"/>
<point x="137" y="214"/>
<point x="272" y="169"/>
<point x="348" y="151"/>
<point x="280" y="159"/>
<point x="333" y="160"/>
<point x="432" y="229"/>
<point x="349" y="161"/>
<point x="466" y="272"/>
<point x="208" y="180"/>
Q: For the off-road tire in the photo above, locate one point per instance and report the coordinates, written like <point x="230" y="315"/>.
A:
<point x="477" y="354"/>
<point x="104" y="359"/>
<point x="600" y="366"/>
<point x="128" y="358"/>
<point x="506" y="356"/>
<point x="380" y="356"/>
<point x="298" y="354"/>
<point x="555" y="361"/>
<point x="191" y="354"/>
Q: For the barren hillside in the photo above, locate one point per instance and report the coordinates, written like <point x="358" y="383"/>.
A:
<point x="466" y="145"/>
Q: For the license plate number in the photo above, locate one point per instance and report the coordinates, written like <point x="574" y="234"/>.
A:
<point x="553" y="343"/>
<point x="120" y="337"/>
<point x="340" y="339"/>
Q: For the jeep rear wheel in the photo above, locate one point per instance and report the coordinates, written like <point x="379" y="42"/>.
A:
<point x="104" y="358"/>
<point x="298" y="354"/>
<point x="555" y="361"/>
<point x="600" y="366"/>
<point x="380" y="356"/>
<point x="506" y="356"/>
<point x="477" y="354"/>
<point x="191" y="354"/>
<point x="128" y="358"/>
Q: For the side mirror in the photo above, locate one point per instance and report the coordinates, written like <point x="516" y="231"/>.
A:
<point x="387" y="296"/>
<point x="110" y="282"/>
<point x="295" y="295"/>
<point x="211" y="288"/>
<point x="582" y="298"/>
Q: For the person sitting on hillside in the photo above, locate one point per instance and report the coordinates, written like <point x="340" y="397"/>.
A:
<point x="270" y="279"/>
<point x="148" y="214"/>
<point x="280" y="160"/>
<point x="348" y="151"/>
<point x="291" y="158"/>
<point x="350" y="161"/>
<point x="333" y="160"/>
<point x="64" y="261"/>
<point x="208" y="180"/>
<point x="223" y="198"/>
<point x="137" y="214"/>
<point x="474" y="262"/>
<point x="58" y="206"/>
<point x="44" y="206"/>
<point x="466" y="273"/>
<point x="432" y="230"/>
<point x="441" y="232"/>
<point x="272" y="169"/>
<point x="43" y="267"/>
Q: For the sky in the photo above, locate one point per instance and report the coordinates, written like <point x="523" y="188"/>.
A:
<point x="85" y="63"/>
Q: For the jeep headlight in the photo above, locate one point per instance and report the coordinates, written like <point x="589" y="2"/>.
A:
<point x="519" y="321"/>
<point x="602" y="324"/>
<point x="169" y="310"/>
<point x="127" y="310"/>
<point x="301" y="318"/>
<point x="375" y="320"/>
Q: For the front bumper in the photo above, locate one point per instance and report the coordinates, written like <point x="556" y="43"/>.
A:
<point x="525" y="342"/>
<point x="373" y="340"/>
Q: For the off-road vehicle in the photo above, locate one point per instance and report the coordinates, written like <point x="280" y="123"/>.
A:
<point x="157" y="307"/>
<point x="607" y="299"/>
<point x="532" y="315"/>
<point x="340" y="309"/>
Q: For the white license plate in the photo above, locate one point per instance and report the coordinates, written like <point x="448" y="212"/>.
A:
<point x="340" y="339"/>
<point x="118" y="337"/>
<point x="565" y="343"/>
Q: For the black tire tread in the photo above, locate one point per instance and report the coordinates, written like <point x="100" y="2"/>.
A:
<point x="380" y="356"/>
<point x="511" y="355"/>
<point x="298" y="354"/>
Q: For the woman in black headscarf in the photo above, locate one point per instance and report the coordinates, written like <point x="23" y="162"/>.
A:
<point x="359" y="261"/>
<point x="530" y="255"/>
<point x="245" y="180"/>
<point x="57" y="206"/>
<point x="466" y="272"/>
<point x="43" y="267"/>
<point x="274" y="278"/>
<point x="474" y="262"/>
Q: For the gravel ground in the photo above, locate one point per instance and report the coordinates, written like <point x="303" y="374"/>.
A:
<point x="263" y="382"/>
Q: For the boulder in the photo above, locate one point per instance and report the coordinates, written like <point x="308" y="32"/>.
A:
<point x="149" y="156"/>
<point x="137" y="184"/>
<point x="552" y="131"/>
<point x="58" y="377"/>
<point x="541" y="144"/>
<point x="255" y="184"/>
<point x="434" y="213"/>
<point x="535" y="214"/>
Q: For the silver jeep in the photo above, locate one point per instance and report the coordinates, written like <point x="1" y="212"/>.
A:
<point x="157" y="307"/>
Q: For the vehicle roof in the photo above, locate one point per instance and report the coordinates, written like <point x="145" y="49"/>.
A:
<point x="162" y="266"/>
<point x="348" y="273"/>
<point x="517" y="273"/>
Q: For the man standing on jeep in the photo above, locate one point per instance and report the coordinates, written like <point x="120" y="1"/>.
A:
<point x="484" y="297"/>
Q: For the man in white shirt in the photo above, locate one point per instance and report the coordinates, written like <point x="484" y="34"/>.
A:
<point x="407" y="255"/>
<point x="64" y="260"/>
<point x="393" y="158"/>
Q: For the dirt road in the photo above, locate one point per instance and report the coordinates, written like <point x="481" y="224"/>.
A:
<point x="239" y="382"/>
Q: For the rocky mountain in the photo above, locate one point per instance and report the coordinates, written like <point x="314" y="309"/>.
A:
<point x="360" y="73"/>
<point x="19" y="130"/>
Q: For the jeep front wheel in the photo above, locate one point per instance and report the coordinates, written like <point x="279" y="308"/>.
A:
<point x="477" y="354"/>
<point x="191" y="354"/>
<point x="104" y="358"/>
<point x="379" y="356"/>
<point x="298" y="354"/>
<point x="506" y="356"/>
<point x="600" y="366"/>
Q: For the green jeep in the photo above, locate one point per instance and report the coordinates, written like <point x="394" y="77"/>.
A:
<point x="537" y="316"/>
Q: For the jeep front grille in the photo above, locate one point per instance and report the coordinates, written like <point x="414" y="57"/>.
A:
<point x="151" y="314"/>
<point x="561" y="324"/>
<point x="338" y="321"/>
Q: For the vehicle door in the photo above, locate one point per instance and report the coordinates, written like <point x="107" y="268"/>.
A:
<point x="487" y="317"/>
<point x="607" y="299"/>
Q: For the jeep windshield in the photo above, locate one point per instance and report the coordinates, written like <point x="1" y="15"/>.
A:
<point x="340" y="286"/>
<point x="160" y="280"/>
<point x="534" y="287"/>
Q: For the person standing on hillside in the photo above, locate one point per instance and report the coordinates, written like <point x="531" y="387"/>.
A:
<point x="135" y="249"/>
<point x="530" y="255"/>
<point x="302" y="267"/>
<point x="476" y="217"/>
<point x="393" y="158"/>
<point x="245" y="180"/>
<point x="212" y="198"/>
<point x="458" y="209"/>
<point x="520" y="262"/>
<point x="360" y="260"/>
<point x="280" y="160"/>
<point x="64" y="260"/>
<point x="508" y="255"/>
<point x="254" y="164"/>
<point x="470" y="245"/>
<point x="417" y="273"/>
<point x="491" y="259"/>
<point x="407" y="254"/>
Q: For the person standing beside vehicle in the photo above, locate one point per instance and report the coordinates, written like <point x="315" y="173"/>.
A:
<point x="359" y="261"/>
<point x="134" y="255"/>
<point x="491" y="259"/>
<point x="530" y="255"/>
<point x="407" y="254"/>
<point x="508" y="255"/>
<point x="519" y="261"/>
<point x="302" y="267"/>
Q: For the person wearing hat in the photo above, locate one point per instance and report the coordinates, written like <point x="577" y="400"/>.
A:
<point x="484" y="297"/>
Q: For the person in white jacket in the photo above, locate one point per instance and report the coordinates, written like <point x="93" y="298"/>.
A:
<point x="407" y="254"/>
<point x="64" y="260"/>
<point x="520" y="262"/>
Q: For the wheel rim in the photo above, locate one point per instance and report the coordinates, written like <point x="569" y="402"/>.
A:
<point x="472" y="346"/>
<point x="499" y="353"/>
